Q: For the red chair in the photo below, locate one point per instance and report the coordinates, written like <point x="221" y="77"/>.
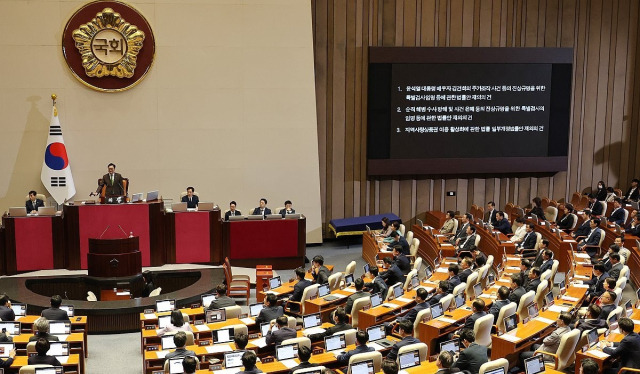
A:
<point x="237" y="285"/>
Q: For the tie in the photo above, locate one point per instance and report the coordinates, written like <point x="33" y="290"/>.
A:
<point x="189" y="199"/>
<point x="112" y="179"/>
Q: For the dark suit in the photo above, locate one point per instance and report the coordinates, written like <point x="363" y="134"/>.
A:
<point x="516" y="295"/>
<point x="49" y="337"/>
<point x="465" y="245"/>
<point x="635" y="231"/>
<point x="529" y="241"/>
<point x="284" y="212"/>
<point x="331" y="330"/>
<point x="596" y="284"/>
<point x="583" y="230"/>
<point x="280" y="335"/>
<point x="55" y="314"/>
<point x="628" y="350"/>
<point x="180" y="352"/>
<point x="503" y="226"/>
<point x="303" y="365"/>
<point x="471" y="321"/>
<point x="235" y="213"/>
<point x="269" y="313"/>
<point x="615" y="271"/>
<point x="413" y="312"/>
<point x="632" y="194"/>
<point x="491" y="217"/>
<point x="596" y="208"/>
<point x="617" y="216"/>
<point x="453" y="282"/>
<point x="401" y="242"/>
<point x="9" y="361"/>
<point x="221" y="302"/>
<point x="538" y="212"/>
<point x="378" y="286"/>
<point x="255" y="370"/>
<point x="298" y="289"/>
<point x="43" y="360"/>
<point x="393" y="354"/>
<point x="593" y="239"/>
<point x="464" y="274"/>
<point x="33" y="205"/>
<point x="7" y="314"/>
<point x="495" y="309"/>
<point x="392" y="276"/>
<point x="547" y="265"/>
<point x="566" y="223"/>
<point x="266" y="211"/>
<point x="344" y="358"/>
<point x="403" y="263"/>
<point x="590" y="324"/>
<point x="606" y="310"/>
<point x="471" y="358"/>
<point x="115" y="188"/>
<point x="354" y="297"/>
<point x="461" y="234"/>
<point x="533" y="285"/>
<point x="191" y="204"/>
<point x="436" y="298"/>
<point x="321" y="275"/>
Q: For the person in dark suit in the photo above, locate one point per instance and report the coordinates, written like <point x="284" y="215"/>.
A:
<point x="389" y="367"/>
<point x="589" y="366"/>
<point x="534" y="279"/>
<point x="287" y="209"/>
<point x="270" y="311"/>
<point x="262" y="209"/>
<point x="617" y="215"/>
<point x="479" y="258"/>
<point x="595" y="206"/>
<point x="592" y="320"/>
<point x="616" y="266"/>
<point x="319" y="272"/>
<point x="502" y="224"/>
<point x="466" y="269"/>
<point x="585" y="228"/>
<point x="340" y="320"/>
<point x="191" y="199"/>
<point x="453" y="279"/>
<point x="633" y="193"/>
<point x="516" y="289"/>
<point x="461" y="234"/>
<point x="358" y="283"/>
<point x="399" y="240"/>
<point x="249" y="360"/>
<point x="601" y="191"/>
<point x="444" y="362"/>
<point x="628" y="349"/>
<point x="393" y="275"/>
<point x="465" y="245"/>
<point x="283" y="333"/>
<point x="55" y="313"/>
<point x="567" y="220"/>
<point x="478" y="306"/>
<point x="547" y="261"/>
<point x="536" y="208"/>
<point x="406" y="333"/>
<point x="606" y="260"/>
<point x="222" y="300"/>
<point x="189" y="365"/>
<point x="529" y="240"/>
<point x="147" y="278"/>
<point x="441" y="291"/>
<point x="501" y="301"/>
<point x="401" y="260"/>
<point x="41" y="328"/>
<point x="378" y="285"/>
<point x="473" y="356"/>
<point x="361" y="347"/>
<point x="180" y="340"/>
<point x="607" y="305"/>
<point x="304" y="354"/>
<point x="490" y="215"/>
<point x="6" y="313"/>
<point x="42" y="347"/>
<point x="33" y="203"/>
<point x="299" y="287"/>
<point x="591" y="243"/>
<point x="421" y="304"/>
<point x="525" y="268"/>
<point x="113" y="181"/>
<point x="232" y="211"/>
<point x="596" y="283"/>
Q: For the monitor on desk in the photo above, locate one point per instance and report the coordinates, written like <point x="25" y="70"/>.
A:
<point x="409" y="359"/>
<point x="45" y="211"/>
<point x="18" y="211"/>
<point x="324" y="290"/>
<point x="363" y="367"/>
<point x="272" y="216"/>
<point x="348" y="280"/>
<point x="237" y="218"/>
<point x="592" y="337"/>
<point x="534" y="365"/>
<point x="559" y="235"/>
<point x="534" y="217"/>
<point x="436" y="310"/>
<point x="286" y="351"/>
<point x="264" y="328"/>
<point x="49" y="370"/>
<point x="428" y="272"/>
<point x="510" y="322"/>
<point x="334" y="342"/>
<point x="167" y="342"/>
<point x="458" y="301"/>
<point x="420" y="223"/>
<point x="311" y="320"/>
<point x="368" y="229"/>
<point x="165" y="305"/>
<point x="613" y="322"/>
<point x="164" y="321"/>
<point x="376" y="333"/>
<point x="532" y="309"/>
<point x="275" y="282"/>
<point x="179" y="207"/>
<point x="175" y="365"/>
<point x="366" y="268"/>
<point x="19" y="309"/>
<point x="499" y="370"/>
<point x="206" y="299"/>
<point x="204" y="206"/>
<point x="563" y="286"/>
<point x="223" y="335"/>
<point x="233" y="359"/>
<point x="5" y="349"/>
<point x="436" y="261"/>
<point x="292" y="216"/>
<point x="58" y="349"/>
<point x="452" y="346"/>
<point x="152" y="195"/>
<point x="255" y="309"/>
<point x="491" y="279"/>
<point x="477" y="289"/>
<point x="376" y="300"/>
<point x="628" y="307"/>
<point x="136" y="197"/>
<point x="13" y="328"/>
<point x="255" y="217"/>
<point x="59" y="327"/>
<point x="548" y="299"/>
<point x="415" y="282"/>
<point x="216" y="315"/>
<point x="69" y="309"/>
<point x="398" y="291"/>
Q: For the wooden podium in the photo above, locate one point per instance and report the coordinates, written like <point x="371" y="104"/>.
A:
<point x="114" y="257"/>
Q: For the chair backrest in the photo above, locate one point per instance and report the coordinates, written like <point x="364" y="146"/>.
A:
<point x="616" y="312"/>
<point x="184" y="193"/>
<point x="351" y="268"/>
<point x="477" y="242"/>
<point x="334" y="281"/>
<point x="421" y="347"/>
<point x="525" y="300"/>
<point x="155" y="292"/>
<point x="624" y="272"/>
<point x="495" y="364"/>
<point x="402" y="229"/>
<point x="446" y="301"/>
<point x="482" y="278"/>
<point x="575" y="220"/>
<point x="459" y="288"/>
<point x="409" y="236"/>
<point x="302" y="341"/>
<point x="505" y="311"/>
<point x="310" y="370"/>
<point x="407" y="282"/>
<point x="554" y="270"/>
<point x="455" y="225"/>
<point x="166" y="365"/>
<point x="308" y="293"/>
<point x="601" y="239"/>
<point x="417" y="265"/>
<point x="31" y="369"/>
<point x="618" y="292"/>
<point x="471" y="281"/>
<point x="239" y="329"/>
<point x="546" y="275"/>
<point x="91" y="296"/>
<point x="277" y="210"/>
<point x="392" y="288"/>
<point x="538" y="240"/>
<point x="349" y="336"/>
<point x="566" y="349"/>
<point x="575" y="199"/>
<point x="604" y="207"/>
<point x="232" y="311"/>
<point x="424" y="313"/>
<point x="31" y="347"/>
<point x="551" y="213"/>
<point x="490" y="260"/>
<point x="482" y="330"/>
<point x="621" y="283"/>
<point x="358" y="304"/>
<point x="541" y="292"/>
<point x="413" y="249"/>
<point x="375" y="356"/>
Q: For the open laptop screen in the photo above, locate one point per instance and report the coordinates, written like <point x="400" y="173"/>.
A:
<point x="14" y="328"/>
<point x="59" y="327"/>
<point x="275" y="282"/>
<point x="50" y="370"/>
<point x="495" y="371"/>
<point x="69" y="309"/>
<point x="5" y="349"/>
<point x="223" y="335"/>
<point x="19" y="309"/>
<point x="264" y="328"/>
<point x="532" y="309"/>
<point x="167" y="342"/>
<point x="363" y="367"/>
<point x="452" y="346"/>
<point x="592" y="337"/>
<point x="409" y="359"/>
<point x="286" y="351"/>
<point x="334" y="342"/>
<point x="233" y="359"/>
<point x="324" y="290"/>
<point x="376" y="300"/>
<point x="58" y="349"/>
<point x="477" y="289"/>
<point x="510" y="322"/>
<point x="254" y="309"/>
<point x="311" y="320"/>
<point x="436" y="310"/>
<point x="348" y="279"/>
<point x="398" y="291"/>
<point x="164" y="321"/>
<point x="216" y="315"/>
<point x="175" y="365"/>
<point x="376" y="333"/>
<point x="207" y="299"/>
<point x="165" y="305"/>
<point x="534" y="365"/>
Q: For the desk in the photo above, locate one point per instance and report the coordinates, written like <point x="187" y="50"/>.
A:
<point x="324" y="307"/>
<point x="381" y="314"/>
<point x="194" y="237"/>
<point x="501" y="347"/>
<point x="430" y="331"/>
<point x="72" y="364"/>
<point x="287" y="287"/>
<point x="76" y="345"/>
<point x="435" y="218"/>
<point x="77" y="326"/>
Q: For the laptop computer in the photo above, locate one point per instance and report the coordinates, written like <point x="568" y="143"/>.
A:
<point x="311" y="323"/>
<point x="334" y="343"/>
<point x="378" y="335"/>
<point x="398" y="291"/>
<point x="165" y="305"/>
<point x="368" y="229"/>
<point x="49" y="370"/>
<point x="206" y="299"/>
<point x="179" y="207"/>
<point x="166" y="341"/>
<point x="164" y="321"/>
<point x="510" y="322"/>
<point x="452" y="346"/>
<point x="613" y="322"/>
<point x="69" y="309"/>
<point x="264" y="328"/>
<point x="534" y="365"/>
<point x="409" y="359"/>
<point x="628" y="307"/>
<point x="255" y="309"/>
<point x="548" y="299"/>
<point x="348" y="279"/>
<point x="255" y="217"/>
<point x="376" y="300"/>
<point x="275" y="282"/>
<point x="59" y="327"/>
<point x="420" y="223"/>
<point x="215" y="315"/>
<point x="477" y="289"/>
<point x="20" y="310"/>
<point x="152" y="195"/>
<point x="293" y="216"/>
<point x="458" y="302"/>
<point x="233" y="359"/>
<point x="363" y="367"/>
<point x="428" y="272"/>
<point x="366" y="268"/>
<point x="223" y="335"/>
<point x="18" y="211"/>
<point x="47" y="211"/>
<point x="237" y="218"/>
<point x="59" y="349"/>
<point x="532" y="309"/>
<point x="136" y="197"/>
<point x="324" y="290"/>
<point x="14" y="328"/>
<point x="286" y="351"/>
<point x="205" y="206"/>
<point x="436" y="310"/>
<point x="592" y="337"/>
<point x="273" y="216"/>
<point x="414" y="283"/>
<point x="175" y="365"/>
<point x="5" y="349"/>
<point x="499" y="370"/>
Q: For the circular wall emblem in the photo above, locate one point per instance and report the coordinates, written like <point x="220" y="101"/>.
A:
<point x="108" y="46"/>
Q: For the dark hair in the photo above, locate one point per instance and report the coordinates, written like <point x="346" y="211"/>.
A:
<point x="610" y="189"/>
<point x="615" y="248"/>
<point x="468" y="335"/>
<point x="469" y="216"/>
<point x="111" y="164"/>
<point x="446" y="359"/>
<point x="397" y="248"/>
<point x="596" y="221"/>
<point x="233" y="202"/>
<point x="362" y="337"/>
<point x="520" y="220"/>
<point x="454" y="269"/>
<point x="594" y="310"/>
<point x="611" y="294"/>
<point x="272" y="299"/>
<point x="548" y="253"/>
<point x="532" y="226"/>
<point x="406" y="326"/>
<point x="599" y="267"/>
<point x="4" y="299"/>
<point x="358" y="283"/>
<point x="451" y="213"/>
<point x="618" y="200"/>
<point x="300" y="272"/>
<point x="565" y="317"/>
<point x="304" y="353"/>
<point x="589" y="366"/>
<point x="42" y="346"/>
<point x="341" y="314"/>
<point x="282" y="321"/>
<point x="56" y="301"/>
<point x="241" y="340"/>
<point x="265" y="200"/>
<point x="249" y="360"/>
<point x="526" y="263"/>
<point x="147" y="276"/>
<point x="569" y="207"/>
<point x="373" y="270"/>
<point x="635" y="180"/>
<point x="288" y="202"/>
<point x="389" y="367"/>
<point x="626" y="325"/>
<point x="395" y="233"/>
<point x="545" y="242"/>
<point x="34" y="193"/>
<point x="422" y="293"/>
<point x="387" y="260"/>
<point x="491" y="203"/>
<point x="500" y="213"/>
<point x="472" y="228"/>
<point x="444" y="285"/>
<point x="615" y="256"/>
<point x="478" y="304"/>
<point x="189" y="364"/>
<point x="536" y="200"/>
<point x="176" y="318"/>
<point x="221" y="289"/>
<point x="396" y="224"/>
<point x="517" y="279"/>
<point x="503" y="292"/>
<point x="191" y="188"/>
<point x="319" y="259"/>
<point x="536" y="271"/>
<point x="180" y="339"/>
<point x="385" y="222"/>
<point x="611" y="282"/>
<point x="591" y="196"/>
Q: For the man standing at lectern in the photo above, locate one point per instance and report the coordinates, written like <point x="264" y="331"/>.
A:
<point x="113" y="181"/>
<point x="191" y="199"/>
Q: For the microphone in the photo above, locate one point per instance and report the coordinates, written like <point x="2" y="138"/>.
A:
<point x="121" y="229"/>
<point x="105" y="230"/>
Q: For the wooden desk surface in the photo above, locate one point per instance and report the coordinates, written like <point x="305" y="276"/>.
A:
<point x="209" y="327"/>
<point x="20" y="361"/>
<point x="76" y="337"/>
<point x="30" y="319"/>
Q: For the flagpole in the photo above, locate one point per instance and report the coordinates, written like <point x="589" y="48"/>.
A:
<point x="53" y="98"/>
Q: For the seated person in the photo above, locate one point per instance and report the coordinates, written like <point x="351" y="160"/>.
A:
<point x="191" y="199"/>
<point x="55" y="313"/>
<point x="6" y="313"/>
<point x="461" y="234"/>
<point x="180" y="340"/>
<point x="624" y="252"/>
<point x="444" y="362"/>
<point x="177" y="323"/>
<point x="249" y="360"/>
<point x="33" y="204"/>
<point x="319" y="272"/>
<point x="241" y="341"/>
<point x="490" y="214"/>
<point x="537" y="209"/>
<point x="262" y="210"/>
<point x="5" y="337"/>
<point x="189" y="365"/>
<point x="525" y="269"/>
<point x="395" y="227"/>
<point x="588" y="366"/>
<point x="298" y="288"/>
<point x="222" y="300"/>
<point x="478" y="306"/>
<point x="617" y="215"/>
<point x="502" y="300"/>
<point x="534" y="279"/>
<point x="340" y="320"/>
<point x="453" y="279"/>
<point x="596" y="283"/>
<point x="547" y="260"/>
<point x="591" y="242"/>
<point x="447" y="227"/>
<point x="585" y="228"/>
<point x="42" y="347"/>
<point x="502" y="224"/>
<point x="389" y="367"/>
<point x="283" y="333"/>
<point x="607" y="305"/>
<point x="609" y="285"/>
<point x="521" y="231"/>
<point x="537" y="258"/>
<point x="633" y="227"/>
<point x="393" y="274"/>
<point x="567" y="220"/>
<point x="479" y="258"/>
<point x="113" y="181"/>
<point x="287" y="209"/>
<point x="628" y="349"/>
<point x="232" y="212"/>
<point x="552" y="342"/>
<point x="401" y="260"/>
<point x="421" y="304"/>
<point x="530" y="239"/>
<point x="616" y="266"/>
<point x="378" y="285"/>
<point x="147" y="279"/>
<point x="633" y="193"/>
<point x="592" y="320"/>
<point x="361" y="347"/>
<point x="473" y="355"/>
<point x="606" y="260"/>
<point x="516" y="289"/>
<point x="304" y="354"/>
<point x="399" y="240"/>
<point x="464" y="273"/>
<point x="386" y="229"/>
<point x="358" y="283"/>
<point x="465" y="245"/>
<point x="406" y="333"/>
<point x="41" y="328"/>
<point x="271" y="309"/>
<point x="595" y="206"/>
<point x="441" y="291"/>
<point x="611" y="195"/>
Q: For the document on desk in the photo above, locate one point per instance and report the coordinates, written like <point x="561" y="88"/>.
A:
<point x="350" y="290"/>
<point x="569" y="298"/>
<point x="544" y="320"/>
<point x="569" y="241"/>
<point x="513" y="268"/>
<point x="513" y="258"/>
<point x="404" y="300"/>
<point x="290" y="364"/>
<point x="161" y="354"/>
<point x="581" y="277"/>
<point x="559" y="309"/>
<point x="202" y="327"/>
<point x="260" y="342"/>
<point x="487" y="296"/>
<point x="150" y="316"/>
<point x="442" y="270"/>
<point x="636" y="322"/>
<point x="62" y="338"/>
<point x="273" y="292"/>
<point x="218" y="348"/>
<point x="598" y="353"/>
<point x="446" y="320"/>
<point x="313" y="330"/>
<point x="580" y="285"/>
<point x="63" y="359"/>
<point x="247" y="321"/>
<point x="375" y="346"/>
<point x="582" y="255"/>
<point x="446" y="245"/>
<point x="511" y="338"/>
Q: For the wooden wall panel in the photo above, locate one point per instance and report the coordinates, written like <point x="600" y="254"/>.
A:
<point x="605" y="112"/>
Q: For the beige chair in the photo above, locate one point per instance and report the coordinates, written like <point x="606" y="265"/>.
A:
<point x="39" y="196"/>
<point x="91" y="296"/>
<point x="349" y="336"/>
<point x="277" y="210"/>
<point x="420" y="347"/>
<point x="31" y="348"/>
<point x="624" y="272"/>
<point x="301" y="341"/>
<point x="417" y="265"/>
<point x="621" y="283"/>
<point x="166" y="365"/>
<point x="459" y="289"/>
<point x="604" y="207"/>
<point x="538" y="241"/>
<point x="495" y="364"/>
<point x="334" y="281"/>
<point x="484" y="279"/>
<point x="546" y="275"/>
<point x="575" y="220"/>
<point x="240" y="329"/>
<point x="618" y="292"/>
<point x="31" y="369"/>
<point x="308" y="293"/>
<point x="471" y="281"/>
<point x="422" y="315"/>
<point x="375" y="356"/>
<point x="616" y="312"/>
<point x="565" y="356"/>
<point x="490" y="260"/>
<point x="402" y="229"/>
<point x="455" y="227"/>
<point x="358" y="304"/>
<point x="551" y="213"/>
<point x="391" y="291"/>
<point x="407" y="282"/>
<point x="477" y="243"/>
<point x="505" y="311"/>
<point x="446" y="301"/>
<point x="554" y="271"/>
<point x="351" y="268"/>
<point x="155" y="292"/>
<point x="482" y="330"/>
<point x="525" y="300"/>
<point x="409" y="236"/>
<point x="541" y="292"/>
<point x="310" y="370"/>
<point x="233" y="311"/>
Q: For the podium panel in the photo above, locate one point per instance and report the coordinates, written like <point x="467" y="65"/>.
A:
<point x="194" y="237"/>
<point x="114" y="257"/>
<point x="33" y="243"/>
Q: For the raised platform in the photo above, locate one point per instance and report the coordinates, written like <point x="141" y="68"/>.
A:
<point x="185" y="286"/>
<point x="358" y="225"/>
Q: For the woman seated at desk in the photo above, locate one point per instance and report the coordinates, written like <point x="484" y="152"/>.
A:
<point x="177" y="324"/>
<point x="448" y="226"/>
